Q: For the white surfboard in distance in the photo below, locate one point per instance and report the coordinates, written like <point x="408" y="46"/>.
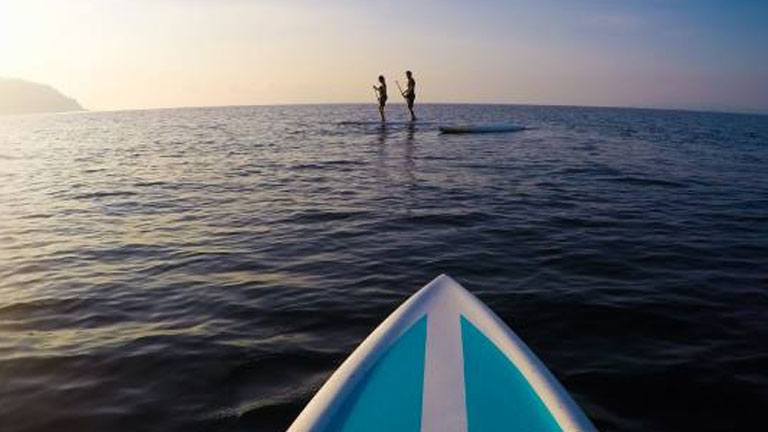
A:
<point x="468" y="129"/>
<point x="442" y="362"/>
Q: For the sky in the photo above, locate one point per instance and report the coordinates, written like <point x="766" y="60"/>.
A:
<point x="135" y="54"/>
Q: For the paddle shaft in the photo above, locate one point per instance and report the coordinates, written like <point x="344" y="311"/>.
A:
<point x="400" y="88"/>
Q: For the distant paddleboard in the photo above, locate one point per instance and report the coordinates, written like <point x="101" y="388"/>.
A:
<point x="491" y="128"/>
<point x="387" y="123"/>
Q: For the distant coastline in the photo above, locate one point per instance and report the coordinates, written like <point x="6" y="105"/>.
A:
<point x="25" y="97"/>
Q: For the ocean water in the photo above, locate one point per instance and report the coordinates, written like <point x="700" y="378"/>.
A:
<point x="207" y="269"/>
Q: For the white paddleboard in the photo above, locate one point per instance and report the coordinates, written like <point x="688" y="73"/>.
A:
<point x="442" y="362"/>
<point x="466" y="129"/>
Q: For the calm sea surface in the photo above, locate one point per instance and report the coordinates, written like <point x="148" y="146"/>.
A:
<point x="207" y="269"/>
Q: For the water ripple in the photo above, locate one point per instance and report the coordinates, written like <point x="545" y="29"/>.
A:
<point x="207" y="269"/>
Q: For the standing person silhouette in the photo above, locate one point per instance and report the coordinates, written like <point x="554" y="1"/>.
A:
<point x="410" y="93"/>
<point x="381" y="95"/>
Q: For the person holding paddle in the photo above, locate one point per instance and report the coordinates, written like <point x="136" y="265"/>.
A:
<point x="410" y="93"/>
<point x="381" y="96"/>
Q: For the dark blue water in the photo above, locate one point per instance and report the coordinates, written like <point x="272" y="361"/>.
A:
<point x="207" y="269"/>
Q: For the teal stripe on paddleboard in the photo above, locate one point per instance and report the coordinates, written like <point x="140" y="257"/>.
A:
<point x="498" y="397"/>
<point x="389" y="398"/>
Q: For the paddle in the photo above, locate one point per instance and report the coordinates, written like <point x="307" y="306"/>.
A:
<point x="400" y="88"/>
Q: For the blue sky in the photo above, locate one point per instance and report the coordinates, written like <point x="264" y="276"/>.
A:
<point x="113" y="54"/>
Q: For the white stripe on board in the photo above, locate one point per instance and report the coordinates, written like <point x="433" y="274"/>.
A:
<point x="444" y="408"/>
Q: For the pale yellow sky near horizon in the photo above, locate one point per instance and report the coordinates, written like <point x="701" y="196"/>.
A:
<point x="111" y="54"/>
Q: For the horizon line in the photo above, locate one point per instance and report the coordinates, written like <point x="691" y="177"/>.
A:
<point x="553" y="105"/>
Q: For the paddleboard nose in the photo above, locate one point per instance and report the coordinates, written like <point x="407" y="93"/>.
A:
<point x="442" y="362"/>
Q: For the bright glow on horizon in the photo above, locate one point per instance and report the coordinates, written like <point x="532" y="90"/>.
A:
<point x="112" y="54"/>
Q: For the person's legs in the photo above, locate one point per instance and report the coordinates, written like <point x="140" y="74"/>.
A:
<point x="381" y="112"/>
<point x="410" y="108"/>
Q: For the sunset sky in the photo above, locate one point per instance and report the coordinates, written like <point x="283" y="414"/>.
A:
<point x="110" y="54"/>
